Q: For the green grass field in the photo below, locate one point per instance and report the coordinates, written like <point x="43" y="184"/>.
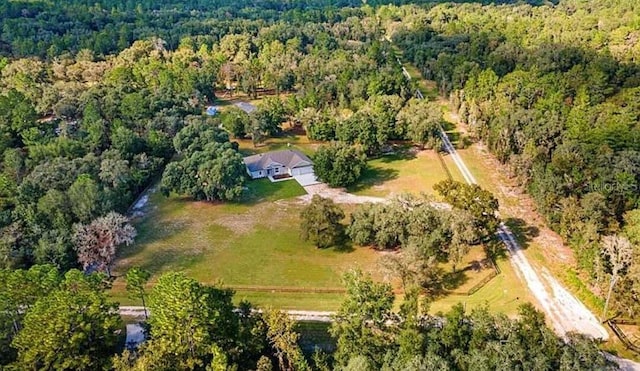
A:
<point x="403" y="172"/>
<point x="503" y="294"/>
<point x="251" y="244"/>
<point x="254" y="247"/>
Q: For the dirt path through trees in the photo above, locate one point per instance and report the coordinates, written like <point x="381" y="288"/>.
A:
<point x="565" y="312"/>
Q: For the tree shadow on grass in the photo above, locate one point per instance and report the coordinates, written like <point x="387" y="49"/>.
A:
<point x="373" y="176"/>
<point x="495" y="249"/>
<point x="344" y="243"/>
<point x="523" y="232"/>
<point x="403" y="152"/>
<point x="453" y="280"/>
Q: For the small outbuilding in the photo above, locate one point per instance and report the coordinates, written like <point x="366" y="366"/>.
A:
<point x="278" y="163"/>
<point x="212" y="111"/>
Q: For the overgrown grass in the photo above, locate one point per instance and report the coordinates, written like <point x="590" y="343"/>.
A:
<point x="577" y="286"/>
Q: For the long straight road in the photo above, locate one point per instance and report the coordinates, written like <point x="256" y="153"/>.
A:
<point x="565" y="312"/>
<point x="298" y="315"/>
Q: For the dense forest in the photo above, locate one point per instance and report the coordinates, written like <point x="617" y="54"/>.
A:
<point x="98" y="101"/>
<point x="52" y="28"/>
<point x="83" y="136"/>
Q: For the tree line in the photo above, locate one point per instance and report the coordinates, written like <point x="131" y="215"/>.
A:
<point x="50" y="320"/>
<point x="50" y="29"/>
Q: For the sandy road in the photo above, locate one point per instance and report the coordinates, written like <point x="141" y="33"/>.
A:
<point x="338" y="195"/>
<point x="298" y="315"/>
<point x="565" y="312"/>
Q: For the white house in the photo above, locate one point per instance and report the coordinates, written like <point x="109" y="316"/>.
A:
<point x="287" y="162"/>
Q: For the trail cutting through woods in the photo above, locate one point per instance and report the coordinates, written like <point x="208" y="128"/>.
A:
<point x="565" y="312"/>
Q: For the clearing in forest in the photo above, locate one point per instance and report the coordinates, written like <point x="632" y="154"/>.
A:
<point x="406" y="170"/>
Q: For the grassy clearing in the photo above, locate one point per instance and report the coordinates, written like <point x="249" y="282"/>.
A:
<point x="502" y="294"/>
<point x="253" y="243"/>
<point x="403" y="172"/>
<point x="254" y="247"/>
<point x="428" y="88"/>
<point x="292" y="300"/>
<point x="506" y="291"/>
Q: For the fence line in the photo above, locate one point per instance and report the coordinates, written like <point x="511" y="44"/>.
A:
<point x="622" y="336"/>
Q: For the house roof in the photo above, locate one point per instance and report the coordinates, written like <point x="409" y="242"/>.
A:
<point x="289" y="158"/>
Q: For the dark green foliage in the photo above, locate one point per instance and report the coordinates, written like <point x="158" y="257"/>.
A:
<point x="17" y="117"/>
<point x="421" y="121"/>
<point x="406" y="220"/>
<point x="81" y="136"/>
<point x="361" y="322"/>
<point x="193" y="325"/>
<point x="284" y="340"/>
<point x="73" y="327"/>
<point x="56" y="322"/>
<point x="195" y="136"/>
<point x="339" y="164"/>
<point x="235" y="121"/>
<point x="369" y="334"/>
<point x="480" y="204"/>
<point x="84" y="131"/>
<point x="217" y="172"/>
<point x="20" y="289"/>
<point x="270" y="115"/>
<point x="137" y="278"/>
<point x="560" y="112"/>
<point x="321" y="222"/>
<point x="210" y="168"/>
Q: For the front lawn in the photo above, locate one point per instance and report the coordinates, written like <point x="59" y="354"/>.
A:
<point x="260" y="190"/>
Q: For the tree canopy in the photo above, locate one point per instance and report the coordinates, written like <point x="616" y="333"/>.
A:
<point x="339" y="164"/>
<point x="321" y="222"/>
<point x="211" y="168"/>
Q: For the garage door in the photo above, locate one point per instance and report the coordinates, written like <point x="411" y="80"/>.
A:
<point x="302" y="170"/>
<point x="306" y="179"/>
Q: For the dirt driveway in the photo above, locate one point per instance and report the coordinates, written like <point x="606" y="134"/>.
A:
<point x="338" y="195"/>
